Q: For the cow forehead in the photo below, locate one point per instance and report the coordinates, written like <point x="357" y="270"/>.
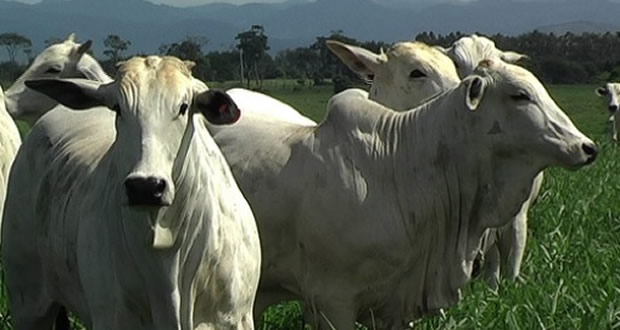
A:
<point x="481" y="45"/>
<point x="613" y="88"/>
<point x="155" y="74"/>
<point x="510" y="74"/>
<point x="57" y="52"/>
<point x="411" y="52"/>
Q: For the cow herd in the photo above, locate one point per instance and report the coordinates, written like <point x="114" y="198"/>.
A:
<point x="149" y="201"/>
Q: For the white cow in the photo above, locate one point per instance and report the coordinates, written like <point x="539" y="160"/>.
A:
<point x="502" y="249"/>
<point x="67" y="59"/>
<point x="9" y="143"/>
<point x="132" y="220"/>
<point x="380" y="211"/>
<point x="612" y="91"/>
<point x="402" y="78"/>
<point x="468" y="51"/>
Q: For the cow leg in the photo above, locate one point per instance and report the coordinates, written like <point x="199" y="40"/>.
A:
<point x="512" y="245"/>
<point x="491" y="266"/>
<point x="514" y="236"/>
<point x="616" y="128"/>
<point x="332" y="315"/>
<point x="31" y="314"/>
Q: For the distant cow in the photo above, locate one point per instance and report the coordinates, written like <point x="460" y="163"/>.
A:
<point x="612" y="91"/>
<point x="380" y="211"/>
<point x="128" y="214"/>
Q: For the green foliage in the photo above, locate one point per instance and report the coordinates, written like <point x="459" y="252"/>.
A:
<point x="115" y="46"/>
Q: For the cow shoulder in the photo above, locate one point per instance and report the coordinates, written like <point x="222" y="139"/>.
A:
<point x="353" y="110"/>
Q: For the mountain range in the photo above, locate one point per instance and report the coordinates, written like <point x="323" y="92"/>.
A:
<point x="297" y="22"/>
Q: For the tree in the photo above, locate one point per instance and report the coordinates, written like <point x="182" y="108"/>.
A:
<point x="13" y="42"/>
<point x="253" y="47"/>
<point x="115" y="47"/>
<point x="190" y="49"/>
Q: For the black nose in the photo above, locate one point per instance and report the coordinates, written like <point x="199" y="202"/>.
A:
<point x="613" y="108"/>
<point x="591" y="150"/>
<point x="147" y="191"/>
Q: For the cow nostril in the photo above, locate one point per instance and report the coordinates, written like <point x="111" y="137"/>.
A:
<point x="591" y="150"/>
<point x="613" y="108"/>
<point x="159" y="186"/>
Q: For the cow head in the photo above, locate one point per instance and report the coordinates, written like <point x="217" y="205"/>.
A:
<point x="154" y="99"/>
<point x="405" y="76"/>
<point x="468" y="51"/>
<point x="67" y="59"/>
<point x="612" y="91"/>
<point x="523" y="120"/>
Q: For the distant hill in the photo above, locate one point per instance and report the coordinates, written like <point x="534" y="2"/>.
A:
<point x="579" y="28"/>
<point x="297" y="22"/>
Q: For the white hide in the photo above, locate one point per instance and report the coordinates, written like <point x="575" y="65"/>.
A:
<point x="9" y="143"/>
<point x="66" y="59"/>
<point x="468" y="51"/>
<point x="71" y="239"/>
<point x="375" y="212"/>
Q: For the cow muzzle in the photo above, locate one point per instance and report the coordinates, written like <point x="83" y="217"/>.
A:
<point x="147" y="191"/>
<point x="613" y="108"/>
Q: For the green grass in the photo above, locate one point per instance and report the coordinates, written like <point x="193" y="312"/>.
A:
<point x="571" y="272"/>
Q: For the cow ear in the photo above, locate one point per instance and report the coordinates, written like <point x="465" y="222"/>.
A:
<point x="474" y="93"/>
<point x="84" y="47"/>
<point x="363" y="62"/>
<point x="77" y="94"/>
<point x="512" y="57"/>
<point x="217" y="107"/>
<point x="601" y="91"/>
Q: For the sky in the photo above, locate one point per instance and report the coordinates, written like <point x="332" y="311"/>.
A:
<point x="187" y="3"/>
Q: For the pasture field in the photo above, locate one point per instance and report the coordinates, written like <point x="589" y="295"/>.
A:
<point x="570" y="277"/>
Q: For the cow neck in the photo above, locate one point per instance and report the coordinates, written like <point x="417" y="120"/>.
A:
<point x="441" y="171"/>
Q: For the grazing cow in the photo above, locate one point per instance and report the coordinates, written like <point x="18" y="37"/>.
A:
<point x="67" y="59"/>
<point x="132" y="220"/>
<point x="503" y="248"/>
<point x="402" y="78"/>
<point x="468" y="51"/>
<point x="381" y="211"/>
<point x="612" y="91"/>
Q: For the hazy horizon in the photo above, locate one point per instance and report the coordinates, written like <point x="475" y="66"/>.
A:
<point x="189" y="3"/>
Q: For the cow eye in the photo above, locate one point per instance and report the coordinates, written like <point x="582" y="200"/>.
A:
<point x="416" y="74"/>
<point x="183" y="109"/>
<point x="53" y="70"/>
<point x="521" y="97"/>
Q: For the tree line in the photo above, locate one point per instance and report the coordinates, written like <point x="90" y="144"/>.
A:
<point x="556" y="59"/>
